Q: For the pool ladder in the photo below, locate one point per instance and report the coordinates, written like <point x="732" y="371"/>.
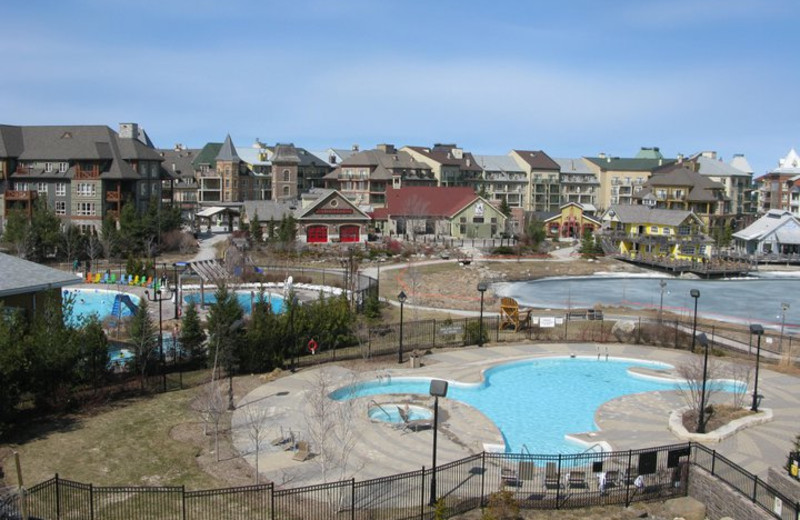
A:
<point x="384" y="378"/>
<point x="373" y="401"/>
<point x="598" y="353"/>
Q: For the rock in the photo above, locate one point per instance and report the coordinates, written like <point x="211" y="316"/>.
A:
<point x="624" y="331"/>
<point x="685" y="507"/>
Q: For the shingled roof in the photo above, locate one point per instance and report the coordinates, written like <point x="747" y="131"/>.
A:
<point x="427" y="201"/>
<point x="21" y="276"/>
<point x="638" y="214"/>
<point x="227" y="151"/>
<point x="538" y="160"/>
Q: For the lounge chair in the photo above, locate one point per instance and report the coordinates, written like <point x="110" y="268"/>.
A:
<point x="527" y="470"/>
<point x="511" y="316"/>
<point x="89" y="277"/>
<point x="135" y="280"/>
<point x="113" y="278"/>
<point x="551" y="479"/>
<point x="105" y="278"/>
<point x="509" y="477"/>
<point x="302" y="452"/>
<point x="576" y="479"/>
<point x="97" y="277"/>
<point x="612" y="478"/>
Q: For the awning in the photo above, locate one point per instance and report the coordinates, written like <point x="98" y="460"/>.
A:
<point x="210" y="212"/>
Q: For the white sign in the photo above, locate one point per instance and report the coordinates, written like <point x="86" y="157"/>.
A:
<point x="547" y="322"/>
<point x="479" y="209"/>
<point x="559" y="321"/>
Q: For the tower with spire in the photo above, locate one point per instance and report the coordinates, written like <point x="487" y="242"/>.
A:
<point x="228" y="168"/>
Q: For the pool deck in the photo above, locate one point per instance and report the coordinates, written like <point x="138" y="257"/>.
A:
<point x="379" y="449"/>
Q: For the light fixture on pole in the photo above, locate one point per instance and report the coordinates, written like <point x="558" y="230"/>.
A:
<point x="482" y="286"/>
<point x="159" y="297"/>
<point x="696" y="295"/>
<point x="758" y="330"/>
<point x="663" y="285"/>
<point x="402" y="299"/>
<point x="177" y="266"/>
<point x="784" y="307"/>
<point x="438" y="389"/>
<point x="701" y="423"/>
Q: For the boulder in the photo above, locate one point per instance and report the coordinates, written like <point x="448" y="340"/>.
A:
<point x="624" y="331"/>
<point x="685" y="507"/>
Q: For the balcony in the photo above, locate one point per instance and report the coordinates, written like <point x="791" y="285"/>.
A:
<point x="113" y="196"/>
<point x="24" y="195"/>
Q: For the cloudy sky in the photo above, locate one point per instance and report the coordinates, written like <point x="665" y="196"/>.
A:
<point x="573" y="78"/>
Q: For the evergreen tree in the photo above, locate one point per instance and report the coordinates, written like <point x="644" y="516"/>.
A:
<point x="192" y="335"/>
<point x="93" y="367"/>
<point x="534" y="232"/>
<point x="144" y="339"/>
<point x="505" y="209"/>
<point x="13" y="377"/>
<point x="587" y="245"/>
<point x="16" y="233"/>
<point x="256" y="233"/>
<point x="262" y="349"/>
<point x="224" y="328"/>
<point x="44" y="232"/>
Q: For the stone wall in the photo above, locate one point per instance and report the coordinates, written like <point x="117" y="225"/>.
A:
<point x="784" y="484"/>
<point x="720" y="499"/>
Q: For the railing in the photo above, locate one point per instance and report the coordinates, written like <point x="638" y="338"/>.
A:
<point x="113" y="196"/>
<point x="21" y="194"/>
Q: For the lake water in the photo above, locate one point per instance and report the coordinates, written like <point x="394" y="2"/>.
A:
<point x="745" y="300"/>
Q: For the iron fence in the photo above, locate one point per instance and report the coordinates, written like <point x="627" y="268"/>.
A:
<point x="533" y="481"/>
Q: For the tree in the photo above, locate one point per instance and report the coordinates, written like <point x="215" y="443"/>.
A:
<point x="224" y="327"/>
<point x="109" y="237"/>
<point x="12" y="363"/>
<point x="143" y="338"/>
<point x="505" y="209"/>
<point x="16" y="233"/>
<point x="72" y="242"/>
<point x="44" y="233"/>
<point x="287" y="230"/>
<point x="588" y="248"/>
<point x="691" y="372"/>
<point x="262" y="349"/>
<point x="192" y="334"/>
<point x="94" y="352"/>
<point x="94" y="247"/>
<point x="256" y="233"/>
<point x="534" y="233"/>
<point x="256" y="418"/>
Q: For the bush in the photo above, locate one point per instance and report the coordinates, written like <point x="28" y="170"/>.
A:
<point x="502" y="506"/>
<point x="504" y="250"/>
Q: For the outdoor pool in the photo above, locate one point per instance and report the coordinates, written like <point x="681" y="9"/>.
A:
<point x="244" y="298"/>
<point x="535" y="403"/>
<point x="95" y="301"/>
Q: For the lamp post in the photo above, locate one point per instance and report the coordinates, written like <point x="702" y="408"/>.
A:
<point x="159" y="297"/>
<point x="481" y="289"/>
<point x="402" y="299"/>
<point x="784" y="307"/>
<point x="758" y="330"/>
<point x="701" y="423"/>
<point x="695" y="294"/>
<point x="663" y="285"/>
<point x="291" y="330"/>
<point x="176" y="281"/>
<point x="438" y="389"/>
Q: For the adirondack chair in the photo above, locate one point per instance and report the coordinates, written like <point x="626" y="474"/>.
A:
<point x="511" y="316"/>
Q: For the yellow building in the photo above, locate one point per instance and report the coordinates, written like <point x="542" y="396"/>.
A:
<point x="646" y="232"/>
<point x="572" y="221"/>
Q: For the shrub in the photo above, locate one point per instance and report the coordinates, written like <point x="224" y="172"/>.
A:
<point x="502" y="506"/>
<point x="504" y="250"/>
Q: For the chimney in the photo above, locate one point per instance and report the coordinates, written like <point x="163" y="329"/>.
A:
<point x="601" y="155"/>
<point x="179" y="147"/>
<point x="355" y="148"/>
<point x="680" y="158"/>
<point x="387" y="148"/>
<point x="128" y="130"/>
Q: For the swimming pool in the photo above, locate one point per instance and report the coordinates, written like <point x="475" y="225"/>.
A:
<point x="535" y="402"/>
<point x="242" y="296"/>
<point x="95" y="301"/>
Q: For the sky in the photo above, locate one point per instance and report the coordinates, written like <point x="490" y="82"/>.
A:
<point x="573" y="78"/>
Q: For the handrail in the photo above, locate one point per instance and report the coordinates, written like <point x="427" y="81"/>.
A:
<point x="372" y="401"/>
<point x="593" y="446"/>
<point x="525" y="447"/>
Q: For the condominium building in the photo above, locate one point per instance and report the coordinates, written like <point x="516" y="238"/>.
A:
<point x="503" y="179"/>
<point x="543" y="194"/>
<point x="578" y="182"/>
<point x="620" y="178"/>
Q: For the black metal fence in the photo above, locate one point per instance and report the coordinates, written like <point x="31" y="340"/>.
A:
<point x="753" y="488"/>
<point x="533" y="481"/>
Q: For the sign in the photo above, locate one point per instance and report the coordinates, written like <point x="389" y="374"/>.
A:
<point x="479" y="209"/>
<point x="334" y="211"/>
<point x="547" y="322"/>
<point x="450" y="329"/>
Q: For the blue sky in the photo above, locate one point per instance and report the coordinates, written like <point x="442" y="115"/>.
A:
<point x="573" y="78"/>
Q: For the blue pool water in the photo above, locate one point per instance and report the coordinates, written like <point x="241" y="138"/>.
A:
<point x="242" y="296"/>
<point x="391" y="413"/>
<point x="535" y="402"/>
<point x="94" y="301"/>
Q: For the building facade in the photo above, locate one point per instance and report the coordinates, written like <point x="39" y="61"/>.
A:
<point x="543" y="194"/>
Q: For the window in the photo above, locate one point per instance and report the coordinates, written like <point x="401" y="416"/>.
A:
<point x="61" y="189"/>
<point x="63" y="167"/>
<point x="654" y="230"/>
<point x="48" y="167"/>
<point x="85" y="189"/>
<point x="21" y="186"/>
<point x="41" y="187"/>
<point x="678" y="194"/>
<point x="86" y="209"/>
<point x="477" y="220"/>
<point x="683" y="230"/>
<point x="143" y="189"/>
<point x="687" y="250"/>
<point x="61" y="207"/>
<point x="286" y="191"/>
<point x="285" y="175"/>
<point x="666" y="231"/>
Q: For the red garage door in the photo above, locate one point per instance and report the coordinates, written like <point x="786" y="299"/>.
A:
<point x="317" y="234"/>
<point x="348" y="234"/>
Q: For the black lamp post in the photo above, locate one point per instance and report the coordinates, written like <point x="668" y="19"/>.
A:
<point x="663" y="285"/>
<point x="701" y="423"/>
<point x="158" y="297"/>
<point x="293" y="341"/>
<point x="438" y="389"/>
<point x="696" y="295"/>
<point x="758" y="330"/>
<point x="402" y="299"/>
<point x="176" y="281"/>
<point x="481" y="289"/>
<point x="784" y="307"/>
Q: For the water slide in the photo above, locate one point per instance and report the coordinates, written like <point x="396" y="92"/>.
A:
<point x="118" y="301"/>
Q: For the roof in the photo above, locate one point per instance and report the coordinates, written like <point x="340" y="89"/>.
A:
<point x="498" y="163"/>
<point x="717" y="168"/>
<point x="268" y="209"/>
<point x="314" y="210"/>
<point x="574" y="166"/>
<point x="701" y="188"/>
<point x="740" y="162"/>
<point x="10" y="141"/>
<point x="789" y="164"/>
<point x="210" y="212"/>
<point x="21" y="276"/>
<point x="178" y="162"/>
<point x="537" y="160"/>
<point x="449" y="155"/>
<point x="207" y="155"/>
<point x="227" y="151"/>
<point x="649" y="153"/>
<point x="285" y="153"/>
<point x="628" y="164"/>
<point x="638" y="214"/>
<point x="428" y="201"/>
<point x="773" y="220"/>
<point x="383" y="165"/>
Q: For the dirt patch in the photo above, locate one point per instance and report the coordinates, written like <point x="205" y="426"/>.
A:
<point x="719" y="416"/>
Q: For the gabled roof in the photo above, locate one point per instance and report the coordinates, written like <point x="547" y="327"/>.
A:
<point x="537" y="160"/>
<point x="182" y="160"/>
<point x="227" y="151"/>
<point x="498" y="163"/>
<point x="449" y="155"/>
<point x="10" y="141"/>
<point x="740" y="162"/>
<point x="628" y="164"/>
<point x="637" y="214"/>
<point x="21" y="276"/>
<point x="285" y="153"/>
<point x="789" y="164"/>
<point x="574" y="166"/>
<point x="427" y="201"/>
<point x="587" y="210"/>
<point x="701" y="188"/>
<point x="715" y="168"/>
<point x="649" y="153"/>
<point x="208" y="155"/>
<point x="312" y="210"/>
<point x="268" y="209"/>
<point x="773" y="220"/>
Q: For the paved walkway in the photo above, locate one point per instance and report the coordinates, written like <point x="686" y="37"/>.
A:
<point x="629" y="422"/>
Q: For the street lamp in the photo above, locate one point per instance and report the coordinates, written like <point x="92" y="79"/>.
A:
<point x="663" y="285"/>
<point x="176" y="281"/>
<point x="784" y="307"/>
<point x="159" y="297"/>
<point x="402" y="299"/>
<point x="701" y="424"/>
<point x="229" y="330"/>
<point x="481" y="289"/>
<point x="758" y="330"/>
<point x="438" y="389"/>
<point x="694" y="294"/>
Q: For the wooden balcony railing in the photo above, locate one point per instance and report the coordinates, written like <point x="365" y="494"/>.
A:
<point x="113" y="196"/>
<point x="21" y="194"/>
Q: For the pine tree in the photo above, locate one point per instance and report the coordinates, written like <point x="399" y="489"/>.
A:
<point x="224" y="322"/>
<point x="192" y="334"/>
<point x="143" y="338"/>
<point x="256" y="233"/>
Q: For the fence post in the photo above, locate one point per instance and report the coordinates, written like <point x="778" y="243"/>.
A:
<point x="352" y="498"/>
<point x="558" y="487"/>
<point x="272" y="500"/>
<point x="755" y="487"/>
<point x="483" y="477"/>
<point x="434" y="333"/>
<point x="676" y="334"/>
<point x="91" y="501"/>
<point x="713" y="461"/>
<point x="58" y="497"/>
<point x="422" y="496"/>
<point x="183" y="502"/>
<point x="628" y="480"/>
<point x="639" y="332"/>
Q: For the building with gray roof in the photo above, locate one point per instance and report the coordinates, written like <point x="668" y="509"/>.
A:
<point x="778" y="231"/>
<point x="578" y="181"/>
<point x="737" y="182"/>
<point x="26" y="285"/>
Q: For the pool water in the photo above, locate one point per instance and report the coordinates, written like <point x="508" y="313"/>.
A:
<point x="535" y="403"/>
<point x="94" y="301"/>
<point x="243" y="298"/>
<point x="391" y="413"/>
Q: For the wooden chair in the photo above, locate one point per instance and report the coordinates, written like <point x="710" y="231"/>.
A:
<point x="303" y="451"/>
<point x="511" y="316"/>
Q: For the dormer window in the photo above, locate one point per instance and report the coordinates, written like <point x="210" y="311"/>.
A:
<point x="63" y="167"/>
<point x="48" y="167"/>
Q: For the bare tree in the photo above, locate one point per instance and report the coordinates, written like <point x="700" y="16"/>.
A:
<point x="256" y="419"/>
<point x="691" y="388"/>
<point x="740" y="374"/>
<point x="331" y="432"/>
<point x="213" y="405"/>
<point x="94" y="247"/>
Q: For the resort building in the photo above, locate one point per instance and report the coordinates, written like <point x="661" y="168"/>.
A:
<point x="648" y="232"/>
<point x="572" y="221"/>
<point x="502" y="179"/>
<point x="84" y="173"/>
<point x="778" y="231"/>
<point x="578" y="181"/>
<point x="451" y="165"/>
<point x="544" y="191"/>
<point x="182" y="187"/>
<point x="26" y="286"/>
<point x="774" y="187"/>
<point x="328" y="216"/>
<point x="737" y="180"/>
<point x="620" y="178"/>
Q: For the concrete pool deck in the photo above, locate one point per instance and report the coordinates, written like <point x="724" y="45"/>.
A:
<point x="380" y="449"/>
